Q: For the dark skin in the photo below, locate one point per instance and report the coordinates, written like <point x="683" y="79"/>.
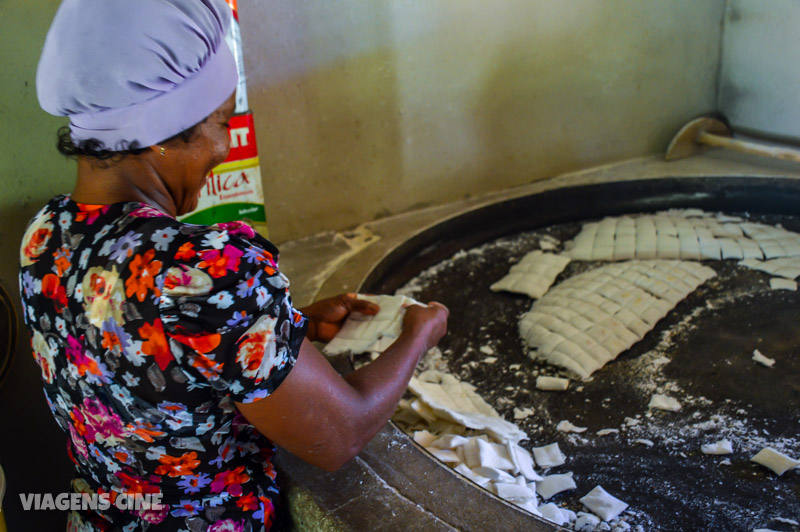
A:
<point x="327" y="420"/>
<point x="315" y="413"/>
<point x="171" y="182"/>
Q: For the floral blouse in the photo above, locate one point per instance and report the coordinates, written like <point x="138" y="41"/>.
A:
<point x="147" y="330"/>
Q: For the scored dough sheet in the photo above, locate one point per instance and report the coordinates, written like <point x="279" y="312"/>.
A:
<point x="688" y="234"/>
<point x="533" y="275"/>
<point x="588" y="320"/>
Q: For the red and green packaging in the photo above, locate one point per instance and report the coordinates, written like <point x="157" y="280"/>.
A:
<point x="233" y="190"/>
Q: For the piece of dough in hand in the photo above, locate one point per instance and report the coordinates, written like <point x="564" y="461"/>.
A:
<point x="363" y="333"/>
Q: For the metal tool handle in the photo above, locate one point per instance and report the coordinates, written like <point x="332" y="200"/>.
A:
<point x="710" y="139"/>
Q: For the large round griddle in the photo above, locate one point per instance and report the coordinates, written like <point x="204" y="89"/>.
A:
<point x="654" y="463"/>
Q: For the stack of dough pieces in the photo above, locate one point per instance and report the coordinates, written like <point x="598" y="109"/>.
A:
<point x="681" y="234"/>
<point x="456" y="401"/>
<point x="449" y="420"/>
<point x="533" y="274"/>
<point x="588" y="320"/>
<point x="459" y="428"/>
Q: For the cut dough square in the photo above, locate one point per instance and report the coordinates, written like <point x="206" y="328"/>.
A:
<point x="709" y="246"/>
<point x="571" y="350"/>
<point x="646" y="251"/>
<point x="777" y="283"/>
<point x="774" y="460"/>
<point x="467" y="472"/>
<point x="771" y="249"/>
<point x="514" y="492"/>
<point x="788" y="267"/>
<point x="603" y="252"/>
<point x="424" y="438"/>
<point x="603" y="504"/>
<point x="721" y="447"/>
<point x="444" y="455"/>
<point x="663" y="402"/>
<point x="619" y="330"/>
<point x="792" y="247"/>
<point x="652" y="315"/>
<point x="607" y="226"/>
<point x="732" y="230"/>
<point x="638" y="304"/>
<point x="551" y="383"/>
<point x="668" y="247"/>
<point x="549" y="456"/>
<point x="750" y="249"/>
<point x="626" y="226"/>
<point x="493" y="455"/>
<point x="625" y="249"/>
<point x="554" y="484"/>
<point x="554" y="514"/>
<point x="614" y="345"/>
<point x="523" y="462"/>
<point x="581" y="323"/>
<point x="689" y="247"/>
<point x="665" y="225"/>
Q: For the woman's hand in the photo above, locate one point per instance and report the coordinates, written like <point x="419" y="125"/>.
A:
<point x="325" y="419"/>
<point x="327" y="316"/>
<point x="429" y="323"/>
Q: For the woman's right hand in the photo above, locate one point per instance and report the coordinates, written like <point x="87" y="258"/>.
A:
<point x="325" y="419"/>
<point x="429" y="322"/>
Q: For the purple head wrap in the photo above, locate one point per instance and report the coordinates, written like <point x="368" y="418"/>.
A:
<point x="135" y="70"/>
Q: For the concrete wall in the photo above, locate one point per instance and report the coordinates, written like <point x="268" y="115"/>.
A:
<point x="31" y="170"/>
<point x="32" y="447"/>
<point x="368" y="108"/>
<point x="759" y="87"/>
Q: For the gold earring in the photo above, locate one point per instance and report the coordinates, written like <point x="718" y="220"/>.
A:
<point x="163" y="152"/>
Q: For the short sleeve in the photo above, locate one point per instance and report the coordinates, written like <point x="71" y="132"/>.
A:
<point x="228" y="314"/>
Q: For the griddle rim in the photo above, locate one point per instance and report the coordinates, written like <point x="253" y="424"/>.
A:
<point x="754" y="195"/>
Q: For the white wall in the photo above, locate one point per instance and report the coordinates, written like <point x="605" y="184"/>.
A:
<point x="760" y="75"/>
<point x="366" y="108"/>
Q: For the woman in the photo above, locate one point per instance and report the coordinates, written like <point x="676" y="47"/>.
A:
<point x="171" y="353"/>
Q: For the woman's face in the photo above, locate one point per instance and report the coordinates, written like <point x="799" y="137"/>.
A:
<point x="186" y="165"/>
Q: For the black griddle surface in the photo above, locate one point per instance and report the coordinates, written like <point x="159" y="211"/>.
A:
<point x="709" y="338"/>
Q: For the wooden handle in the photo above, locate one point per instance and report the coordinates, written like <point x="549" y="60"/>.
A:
<point x="787" y="154"/>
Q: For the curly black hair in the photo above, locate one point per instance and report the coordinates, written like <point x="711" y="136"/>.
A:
<point x="96" y="149"/>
